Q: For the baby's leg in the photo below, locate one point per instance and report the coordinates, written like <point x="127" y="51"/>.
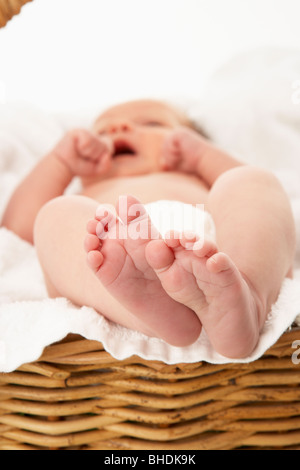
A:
<point x="59" y="232"/>
<point x="232" y="286"/>
<point x="255" y="228"/>
<point x="133" y="296"/>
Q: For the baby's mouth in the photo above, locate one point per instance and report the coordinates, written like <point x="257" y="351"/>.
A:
<point x="123" y="149"/>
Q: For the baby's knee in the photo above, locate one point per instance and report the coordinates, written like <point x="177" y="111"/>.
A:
<point x="248" y="175"/>
<point x="54" y="212"/>
<point x="50" y="221"/>
<point x="53" y="235"/>
<point x="60" y="220"/>
<point x="246" y="180"/>
<point x="46" y="218"/>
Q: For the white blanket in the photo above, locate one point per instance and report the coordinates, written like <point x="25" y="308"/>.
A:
<point x="251" y="108"/>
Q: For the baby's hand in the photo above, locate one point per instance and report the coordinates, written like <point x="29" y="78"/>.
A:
<point x="84" y="153"/>
<point x="183" y="150"/>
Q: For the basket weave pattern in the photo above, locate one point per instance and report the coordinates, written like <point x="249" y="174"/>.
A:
<point x="76" y="396"/>
<point x="10" y="8"/>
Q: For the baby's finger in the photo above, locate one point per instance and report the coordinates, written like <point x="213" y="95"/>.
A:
<point x="170" y="154"/>
<point x="85" y="143"/>
<point x="91" y="146"/>
<point x="104" y="163"/>
<point x="107" y="144"/>
<point x="85" y="166"/>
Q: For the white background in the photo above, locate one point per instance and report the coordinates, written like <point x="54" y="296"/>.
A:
<point x="72" y="54"/>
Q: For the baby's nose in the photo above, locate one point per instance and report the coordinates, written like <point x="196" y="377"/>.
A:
<point x="119" y="126"/>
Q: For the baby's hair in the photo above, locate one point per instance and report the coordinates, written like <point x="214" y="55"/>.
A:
<point x="187" y="121"/>
<point x="195" y="126"/>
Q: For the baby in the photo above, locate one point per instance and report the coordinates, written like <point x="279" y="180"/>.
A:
<point x="172" y="286"/>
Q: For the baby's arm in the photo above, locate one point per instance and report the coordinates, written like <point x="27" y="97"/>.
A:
<point x="186" y="150"/>
<point x="47" y="180"/>
<point x="79" y="153"/>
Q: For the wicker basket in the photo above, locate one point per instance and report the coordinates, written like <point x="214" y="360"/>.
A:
<point x="10" y="8"/>
<point x="76" y="396"/>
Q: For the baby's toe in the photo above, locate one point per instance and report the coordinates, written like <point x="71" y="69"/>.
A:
<point x="91" y="242"/>
<point x="199" y="246"/>
<point x="189" y="239"/>
<point x="105" y="223"/>
<point x="159" y="256"/>
<point x="91" y="226"/>
<point x="172" y="239"/>
<point x="94" y="259"/>
<point x="206" y="248"/>
<point x="220" y="262"/>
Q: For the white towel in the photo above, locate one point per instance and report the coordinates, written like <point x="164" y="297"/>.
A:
<point x="29" y="321"/>
<point x="249" y="109"/>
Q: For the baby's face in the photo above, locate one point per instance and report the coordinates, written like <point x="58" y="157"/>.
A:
<point x="137" y="130"/>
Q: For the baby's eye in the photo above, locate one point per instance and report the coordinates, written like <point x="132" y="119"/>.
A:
<point x="153" y="123"/>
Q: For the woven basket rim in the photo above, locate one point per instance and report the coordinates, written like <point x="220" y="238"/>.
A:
<point x="78" y="396"/>
<point x="78" y="348"/>
<point x="9" y="9"/>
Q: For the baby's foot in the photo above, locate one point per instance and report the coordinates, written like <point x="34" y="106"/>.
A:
<point x="116" y="253"/>
<point x="209" y="283"/>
